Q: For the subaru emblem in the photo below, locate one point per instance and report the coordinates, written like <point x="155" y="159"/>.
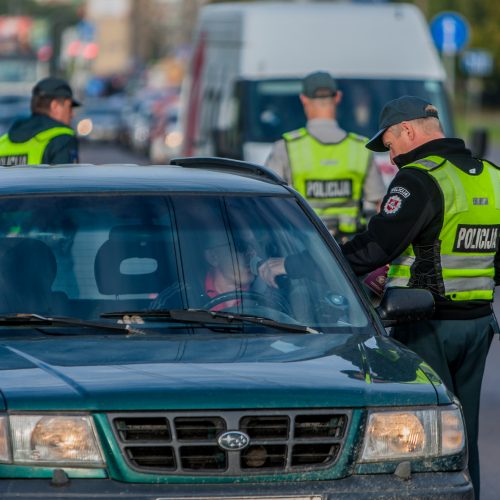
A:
<point x="233" y="440"/>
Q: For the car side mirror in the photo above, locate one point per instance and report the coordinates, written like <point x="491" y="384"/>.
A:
<point x="405" y="305"/>
<point x="478" y="142"/>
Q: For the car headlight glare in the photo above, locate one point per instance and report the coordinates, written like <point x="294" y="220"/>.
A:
<point x="173" y="139"/>
<point x="68" y="440"/>
<point x="424" y="433"/>
<point x="84" y="127"/>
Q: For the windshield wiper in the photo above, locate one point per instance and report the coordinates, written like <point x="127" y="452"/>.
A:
<point x="203" y="316"/>
<point x="30" y="319"/>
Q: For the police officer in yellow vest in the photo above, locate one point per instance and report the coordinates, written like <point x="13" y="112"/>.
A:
<point x="439" y="227"/>
<point x="330" y="167"/>
<point x="45" y="136"/>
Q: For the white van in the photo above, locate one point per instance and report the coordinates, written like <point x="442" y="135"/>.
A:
<point x="241" y="91"/>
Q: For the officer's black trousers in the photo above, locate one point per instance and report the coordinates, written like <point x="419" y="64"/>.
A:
<point x="456" y="350"/>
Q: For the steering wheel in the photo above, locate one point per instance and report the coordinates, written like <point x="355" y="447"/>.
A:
<point x="275" y="301"/>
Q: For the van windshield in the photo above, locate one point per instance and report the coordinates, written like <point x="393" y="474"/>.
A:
<point x="272" y="107"/>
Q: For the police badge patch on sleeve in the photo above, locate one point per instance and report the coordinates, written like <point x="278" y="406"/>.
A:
<point x="393" y="204"/>
<point x="400" y="190"/>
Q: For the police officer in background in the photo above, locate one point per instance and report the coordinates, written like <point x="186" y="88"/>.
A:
<point x="330" y="167"/>
<point x="439" y="228"/>
<point x="45" y="136"/>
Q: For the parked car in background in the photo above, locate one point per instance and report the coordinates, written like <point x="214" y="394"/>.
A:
<point x="19" y="71"/>
<point x="12" y="108"/>
<point x="166" y="136"/>
<point x="125" y="374"/>
<point x="99" y="119"/>
<point x="140" y="128"/>
<point x="141" y="113"/>
<point x="14" y="102"/>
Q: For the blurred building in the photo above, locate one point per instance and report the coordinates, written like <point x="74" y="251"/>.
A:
<point x="179" y="20"/>
<point x="107" y="25"/>
<point x="120" y="35"/>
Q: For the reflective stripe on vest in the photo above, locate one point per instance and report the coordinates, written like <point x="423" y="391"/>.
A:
<point x="330" y="176"/>
<point x="463" y="263"/>
<point x="399" y="273"/>
<point x="31" y="151"/>
<point x="469" y="237"/>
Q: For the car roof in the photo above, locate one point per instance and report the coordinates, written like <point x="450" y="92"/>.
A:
<point x="39" y="179"/>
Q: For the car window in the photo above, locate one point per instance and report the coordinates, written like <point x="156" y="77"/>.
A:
<point x="84" y="255"/>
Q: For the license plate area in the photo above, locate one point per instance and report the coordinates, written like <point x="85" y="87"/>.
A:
<point x="311" y="497"/>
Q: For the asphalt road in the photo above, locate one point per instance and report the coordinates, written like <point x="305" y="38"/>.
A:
<point x="489" y="435"/>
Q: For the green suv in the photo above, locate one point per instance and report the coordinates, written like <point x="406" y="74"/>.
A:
<point x="143" y="357"/>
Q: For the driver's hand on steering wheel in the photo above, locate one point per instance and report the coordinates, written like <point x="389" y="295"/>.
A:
<point x="270" y="269"/>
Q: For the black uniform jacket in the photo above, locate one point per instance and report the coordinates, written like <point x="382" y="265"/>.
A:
<point x="412" y="213"/>
<point x="61" y="149"/>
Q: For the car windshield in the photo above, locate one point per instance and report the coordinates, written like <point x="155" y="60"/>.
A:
<point x="85" y="256"/>
<point x="273" y="107"/>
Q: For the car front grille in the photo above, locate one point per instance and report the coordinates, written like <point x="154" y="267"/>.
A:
<point x="280" y="441"/>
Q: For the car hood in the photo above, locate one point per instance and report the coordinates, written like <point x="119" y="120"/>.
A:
<point x="212" y="371"/>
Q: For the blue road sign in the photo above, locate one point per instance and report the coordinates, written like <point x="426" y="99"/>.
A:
<point x="86" y="31"/>
<point x="477" y="62"/>
<point x="450" y="32"/>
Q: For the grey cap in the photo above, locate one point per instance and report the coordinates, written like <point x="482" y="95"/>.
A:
<point x="399" y="110"/>
<point x="54" y="87"/>
<point x="319" y="84"/>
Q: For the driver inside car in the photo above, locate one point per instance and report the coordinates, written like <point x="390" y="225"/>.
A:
<point x="229" y="279"/>
<point x="225" y="275"/>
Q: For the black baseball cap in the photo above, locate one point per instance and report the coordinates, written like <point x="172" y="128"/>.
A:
<point x="319" y="84"/>
<point x="54" y="87"/>
<point x="405" y="108"/>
